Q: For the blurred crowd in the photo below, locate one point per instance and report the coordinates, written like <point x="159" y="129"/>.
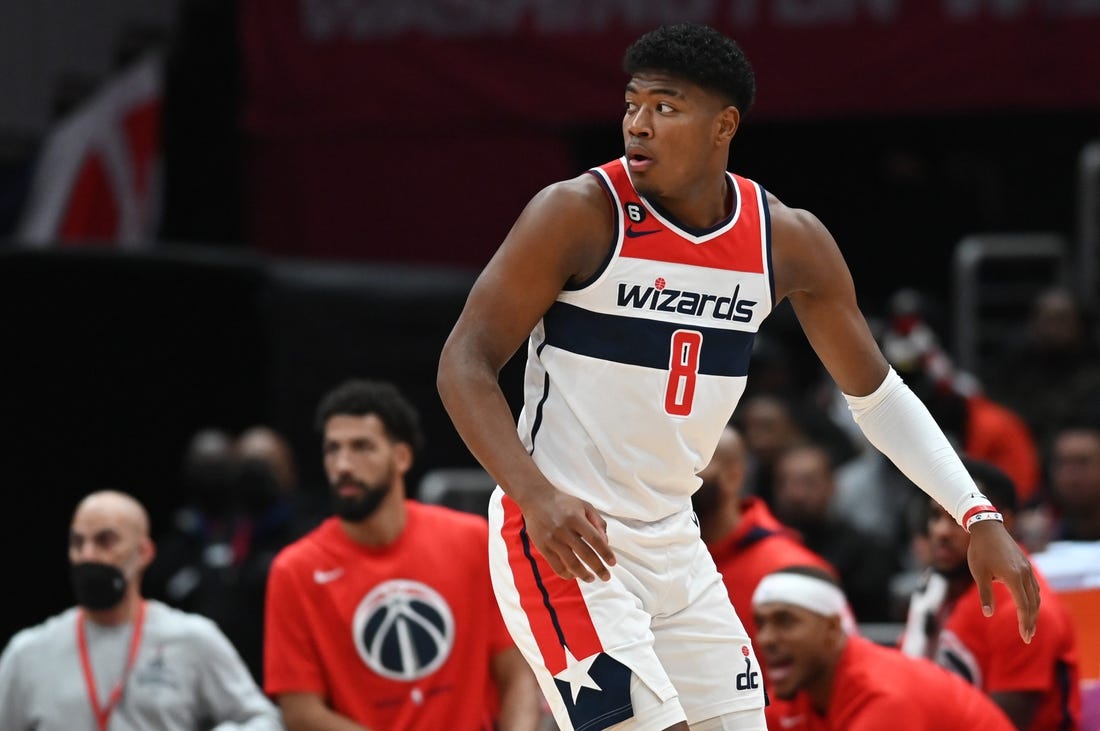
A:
<point x="793" y="485"/>
<point x="1034" y="414"/>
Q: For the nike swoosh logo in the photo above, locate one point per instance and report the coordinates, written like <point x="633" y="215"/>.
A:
<point x="631" y="233"/>
<point x="324" y="577"/>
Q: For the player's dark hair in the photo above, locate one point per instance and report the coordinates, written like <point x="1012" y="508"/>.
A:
<point x="699" y="54"/>
<point x="358" y="397"/>
<point x="994" y="484"/>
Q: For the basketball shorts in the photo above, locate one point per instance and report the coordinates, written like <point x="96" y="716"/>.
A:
<point x="657" y="644"/>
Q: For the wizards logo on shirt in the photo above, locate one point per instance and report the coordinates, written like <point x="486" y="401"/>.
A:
<point x="404" y="630"/>
<point x="659" y="297"/>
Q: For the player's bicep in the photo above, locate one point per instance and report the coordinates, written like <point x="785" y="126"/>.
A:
<point x="811" y="272"/>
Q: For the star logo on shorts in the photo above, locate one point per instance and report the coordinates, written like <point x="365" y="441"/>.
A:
<point x="578" y="673"/>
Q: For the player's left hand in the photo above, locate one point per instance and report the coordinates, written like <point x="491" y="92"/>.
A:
<point x="995" y="556"/>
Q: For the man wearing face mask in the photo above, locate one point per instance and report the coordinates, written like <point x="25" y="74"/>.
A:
<point x="117" y="660"/>
<point x="383" y="617"/>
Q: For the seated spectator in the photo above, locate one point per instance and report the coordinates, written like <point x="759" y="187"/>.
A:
<point x="267" y="474"/>
<point x="770" y="422"/>
<point x="117" y="660"/>
<point x="1075" y="481"/>
<point x="822" y="676"/>
<point x="804" y="489"/>
<point x="743" y="536"/>
<point x="767" y="425"/>
<point x="878" y="500"/>
<point x="244" y="508"/>
<point x="1053" y="369"/>
<point x="1037" y="684"/>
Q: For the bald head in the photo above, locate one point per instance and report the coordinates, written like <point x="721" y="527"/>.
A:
<point x="731" y="448"/>
<point x="727" y="466"/>
<point x="113" y="528"/>
<point x="717" y="501"/>
<point x="116" y="508"/>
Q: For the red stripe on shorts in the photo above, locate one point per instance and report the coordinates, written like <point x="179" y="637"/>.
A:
<point x="554" y="607"/>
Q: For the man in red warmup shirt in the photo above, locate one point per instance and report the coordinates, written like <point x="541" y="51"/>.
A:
<point x="823" y="677"/>
<point x="1038" y="684"/>
<point x="383" y="617"/>
<point x="746" y="540"/>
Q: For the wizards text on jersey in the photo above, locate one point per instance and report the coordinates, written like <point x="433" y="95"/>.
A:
<point x="661" y="298"/>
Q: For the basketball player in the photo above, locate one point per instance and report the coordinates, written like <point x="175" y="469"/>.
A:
<point x="639" y="286"/>
<point x="824" y="677"/>
<point x="383" y="617"/>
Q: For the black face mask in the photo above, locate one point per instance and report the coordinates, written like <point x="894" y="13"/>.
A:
<point x="97" y="585"/>
<point x="256" y="486"/>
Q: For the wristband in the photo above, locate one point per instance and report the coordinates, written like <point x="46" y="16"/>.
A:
<point x="980" y="515"/>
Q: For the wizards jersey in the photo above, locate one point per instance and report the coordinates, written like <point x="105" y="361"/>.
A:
<point x="632" y="375"/>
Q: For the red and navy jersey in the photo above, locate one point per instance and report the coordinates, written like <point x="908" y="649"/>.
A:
<point x="632" y="375"/>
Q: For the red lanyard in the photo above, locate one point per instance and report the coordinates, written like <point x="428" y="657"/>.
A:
<point x="103" y="715"/>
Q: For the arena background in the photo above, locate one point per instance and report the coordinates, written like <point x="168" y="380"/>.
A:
<point x="332" y="175"/>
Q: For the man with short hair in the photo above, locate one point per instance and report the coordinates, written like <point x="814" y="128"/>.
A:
<point x="822" y="676"/>
<point x="1075" y="479"/>
<point x="803" y="498"/>
<point x="639" y="287"/>
<point x="745" y="539"/>
<point x="1036" y="685"/>
<point x="383" y="616"/>
<point x="117" y="660"/>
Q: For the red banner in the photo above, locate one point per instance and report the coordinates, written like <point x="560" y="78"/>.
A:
<point x="354" y="105"/>
<point x="557" y="62"/>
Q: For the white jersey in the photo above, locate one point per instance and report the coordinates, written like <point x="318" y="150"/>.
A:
<point x="632" y="376"/>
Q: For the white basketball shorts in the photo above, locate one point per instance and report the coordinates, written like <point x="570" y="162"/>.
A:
<point x="657" y="644"/>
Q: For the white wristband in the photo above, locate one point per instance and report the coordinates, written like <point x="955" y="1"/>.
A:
<point x="983" y="515"/>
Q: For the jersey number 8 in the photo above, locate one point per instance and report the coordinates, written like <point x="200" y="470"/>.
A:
<point x="683" y="369"/>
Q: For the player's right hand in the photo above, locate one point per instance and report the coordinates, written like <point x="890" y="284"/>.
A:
<point x="570" y="535"/>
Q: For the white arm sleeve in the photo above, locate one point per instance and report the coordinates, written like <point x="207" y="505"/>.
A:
<point x="898" y="424"/>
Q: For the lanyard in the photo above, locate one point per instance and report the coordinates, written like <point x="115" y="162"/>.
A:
<point x="103" y="714"/>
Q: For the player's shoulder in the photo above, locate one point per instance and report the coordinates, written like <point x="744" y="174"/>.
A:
<point x="789" y="222"/>
<point x="582" y="194"/>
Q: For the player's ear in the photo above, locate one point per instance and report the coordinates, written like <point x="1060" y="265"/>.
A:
<point x="728" y="122"/>
<point x="403" y="455"/>
<point x="834" y="629"/>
